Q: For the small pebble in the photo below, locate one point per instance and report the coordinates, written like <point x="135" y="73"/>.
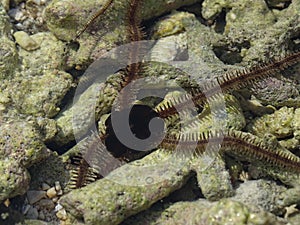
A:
<point x="58" y="207"/>
<point x="46" y="204"/>
<point x="45" y="186"/>
<point x="55" y="199"/>
<point x="16" y="14"/>
<point x="42" y="215"/>
<point x="6" y="202"/>
<point x="32" y="213"/>
<point x="25" y="41"/>
<point x="57" y="186"/>
<point x="51" y="192"/>
<point x="35" y="196"/>
<point x="62" y="214"/>
<point x="60" y="193"/>
<point x="25" y="209"/>
<point x="4" y="216"/>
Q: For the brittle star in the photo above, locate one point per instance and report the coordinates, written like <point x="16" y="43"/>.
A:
<point x="243" y="144"/>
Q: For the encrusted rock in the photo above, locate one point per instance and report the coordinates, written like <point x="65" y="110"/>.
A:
<point x="31" y="95"/>
<point x="25" y="41"/>
<point x="9" y="61"/>
<point x="283" y="124"/>
<point x="201" y="211"/>
<point x="132" y="190"/>
<point x="20" y="148"/>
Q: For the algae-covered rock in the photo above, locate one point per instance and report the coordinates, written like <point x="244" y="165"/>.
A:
<point x="5" y="26"/>
<point x="225" y="211"/>
<point x="252" y="32"/>
<point x="14" y="179"/>
<point x="283" y="124"/>
<point x="228" y="211"/>
<point x="9" y="55"/>
<point x="41" y="95"/>
<point x="65" y="18"/>
<point x="24" y="40"/>
<point x="49" y="56"/>
<point x="214" y="181"/>
<point x="277" y="92"/>
<point x="9" y="61"/>
<point x="127" y="190"/>
<point x="263" y="194"/>
<point x="41" y="84"/>
<point x="279" y="123"/>
<point x="47" y="128"/>
<point x="172" y="24"/>
<point x="20" y="147"/>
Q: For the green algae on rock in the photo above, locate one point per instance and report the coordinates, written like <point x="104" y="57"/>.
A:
<point x="65" y="18"/>
<point x="41" y="95"/>
<point x="172" y="24"/>
<point x="41" y="85"/>
<point x="5" y="26"/>
<point x="9" y="61"/>
<point x="214" y="181"/>
<point x="25" y="41"/>
<point x="283" y="124"/>
<point x="20" y="147"/>
<point x="253" y="32"/>
<point x="226" y="211"/>
<point x="49" y="56"/>
<point x="277" y="92"/>
<point x="117" y="196"/>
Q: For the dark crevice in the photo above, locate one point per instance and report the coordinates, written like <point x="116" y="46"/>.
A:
<point x="60" y="149"/>
<point x="220" y="22"/>
<point x="195" y="9"/>
<point x="294" y="43"/>
<point x="13" y="213"/>
<point x="279" y="5"/>
<point x="189" y="192"/>
<point x="139" y="120"/>
<point x="231" y="54"/>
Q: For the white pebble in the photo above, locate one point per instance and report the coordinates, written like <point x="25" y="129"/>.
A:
<point x="58" y="207"/>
